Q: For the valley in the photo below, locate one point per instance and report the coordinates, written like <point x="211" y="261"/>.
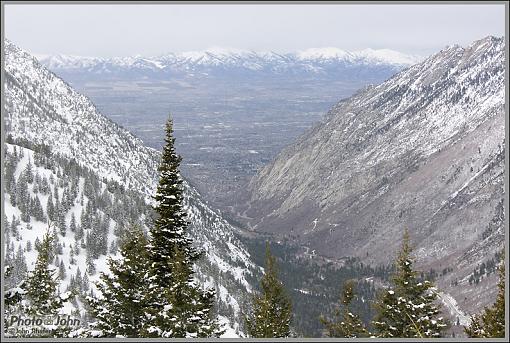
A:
<point x="233" y="112"/>
<point x="328" y="160"/>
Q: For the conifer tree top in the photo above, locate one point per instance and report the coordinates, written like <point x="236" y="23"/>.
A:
<point x="272" y="310"/>
<point x="408" y="309"/>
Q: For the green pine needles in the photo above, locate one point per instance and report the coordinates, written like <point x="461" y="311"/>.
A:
<point x="120" y="310"/>
<point x="42" y="297"/>
<point x="152" y="292"/>
<point x="407" y="308"/>
<point x="272" y="310"/>
<point x="347" y="324"/>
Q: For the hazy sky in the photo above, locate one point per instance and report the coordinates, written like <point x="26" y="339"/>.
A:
<point x="123" y="30"/>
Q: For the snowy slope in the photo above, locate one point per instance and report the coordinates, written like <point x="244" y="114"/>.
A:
<point x="28" y="231"/>
<point x="43" y="109"/>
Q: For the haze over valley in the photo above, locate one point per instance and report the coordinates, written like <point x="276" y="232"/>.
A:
<point x="233" y="110"/>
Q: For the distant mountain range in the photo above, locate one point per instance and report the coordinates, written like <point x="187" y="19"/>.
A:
<point x="218" y="61"/>
<point x="424" y="150"/>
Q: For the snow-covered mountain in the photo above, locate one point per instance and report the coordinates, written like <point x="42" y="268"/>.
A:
<point x="423" y="150"/>
<point x="217" y="61"/>
<point x="43" y="111"/>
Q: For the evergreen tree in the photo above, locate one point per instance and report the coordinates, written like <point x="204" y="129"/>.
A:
<point x="29" y="174"/>
<point x="79" y="233"/>
<point x="37" y="243"/>
<point x="121" y="308"/>
<point x="41" y="285"/>
<point x="55" y="243"/>
<point x="23" y="197"/>
<point x="85" y="283"/>
<point x="71" y="256"/>
<point x="15" y="227"/>
<point x="176" y="306"/>
<point x="72" y="225"/>
<point x="272" y="309"/>
<point x="407" y="309"/>
<point x="347" y="325"/>
<point x="78" y="280"/>
<point x="62" y="221"/>
<point x="89" y="261"/>
<point x="45" y="187"/>
<point x="76" y="248"/>
<point x="61" y="270"/>
<point x="18" y="265"/>
<point x="38" y="210"/>
<point x="50" y="209"/>
<point x="491" y="323"/>
<point x="13" y="192"/>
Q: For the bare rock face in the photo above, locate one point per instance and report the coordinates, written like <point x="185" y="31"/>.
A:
<point x="423" y="151"/>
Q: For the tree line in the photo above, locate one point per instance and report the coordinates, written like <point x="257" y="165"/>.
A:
<point x="151" y="290"/>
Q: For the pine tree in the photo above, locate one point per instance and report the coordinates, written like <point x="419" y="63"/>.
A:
<point x="491" y="323"/>
<point x="61" y="270"/>
<point x="37" y="243"/>
<point x="71" y="256"/>
<point x="272" y="309"/>
<point x="85" y="283"/>
<point x="20" y="266"/>
<point x="79" y="233"/>
<point x="78" y="280"/>
<point x="14" y="227"/>
<point x="62" y="221"/>
<point x="89" y="261"/>
<point x="38" y="210"/>
<point x="347" y="325"/>
<point x="29" y="174"/>
<point x="76" y="248"/>
<point x="177" y="307"/>
<point x="72" y="225"/>
<point x="41" y="285"/>
<point x="121" y="308"/>
<point x="407" y="310"/>
<point x="12" y="193"/>
<point x="50" y="209"/>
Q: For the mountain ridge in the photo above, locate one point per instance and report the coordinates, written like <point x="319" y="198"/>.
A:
<point x="218" y="56"/>
<point x="422" y="150"/>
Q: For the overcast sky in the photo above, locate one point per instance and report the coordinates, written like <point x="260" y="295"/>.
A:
<point x="124" y="30"/>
